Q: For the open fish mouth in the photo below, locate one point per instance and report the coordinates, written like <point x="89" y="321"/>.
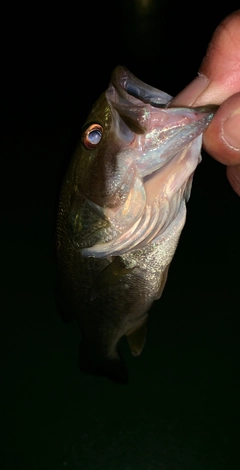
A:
<point x="146" y="111"/>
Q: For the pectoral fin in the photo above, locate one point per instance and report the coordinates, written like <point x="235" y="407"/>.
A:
<point x="86" y="221"/>
<point x="109" y="276"/>
<point x="137" y="338"/>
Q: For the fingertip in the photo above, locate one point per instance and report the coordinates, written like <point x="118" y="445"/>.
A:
<point x="221" y="64"/>
<point x="223" y="53"/>
<point x="222" y="138"/>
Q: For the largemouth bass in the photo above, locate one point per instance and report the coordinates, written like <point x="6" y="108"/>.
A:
<point x="121" y="212"/>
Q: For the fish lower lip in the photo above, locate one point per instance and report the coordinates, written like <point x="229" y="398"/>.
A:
<point x="171" y="141"/>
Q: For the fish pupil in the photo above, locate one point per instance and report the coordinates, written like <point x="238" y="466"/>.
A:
<point x="95" y="137"/>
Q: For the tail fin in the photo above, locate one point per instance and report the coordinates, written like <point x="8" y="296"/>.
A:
<point x="113" y="368"/>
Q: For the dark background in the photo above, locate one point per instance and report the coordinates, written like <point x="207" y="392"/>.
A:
<point x="180" y="410"/>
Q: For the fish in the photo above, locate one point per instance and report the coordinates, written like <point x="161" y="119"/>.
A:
<point x="122" y="208"/>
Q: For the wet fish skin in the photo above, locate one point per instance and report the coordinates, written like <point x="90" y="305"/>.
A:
<point x="121" y="212"/>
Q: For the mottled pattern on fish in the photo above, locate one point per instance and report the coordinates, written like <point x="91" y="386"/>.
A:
<point x="121" y="212"/>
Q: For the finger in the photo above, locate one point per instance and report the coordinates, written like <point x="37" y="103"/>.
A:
<point x="219" y="74"/>
<point x="221" y="65"/>
<point x="219" y="80"/>
<point x="222" y="137"/>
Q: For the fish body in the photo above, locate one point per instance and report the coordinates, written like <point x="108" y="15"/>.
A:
<point x="121" y="212"/>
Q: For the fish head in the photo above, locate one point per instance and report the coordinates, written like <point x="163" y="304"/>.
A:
<point x="109" y="140"/>
<point x="133" y="167"/>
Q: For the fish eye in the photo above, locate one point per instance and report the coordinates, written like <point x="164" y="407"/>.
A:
<point x="92" y="136"/>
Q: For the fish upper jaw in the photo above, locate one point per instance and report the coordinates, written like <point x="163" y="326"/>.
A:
<point x="129" y="87"/>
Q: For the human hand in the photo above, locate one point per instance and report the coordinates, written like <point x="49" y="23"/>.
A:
<point x="219" y="83"/>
